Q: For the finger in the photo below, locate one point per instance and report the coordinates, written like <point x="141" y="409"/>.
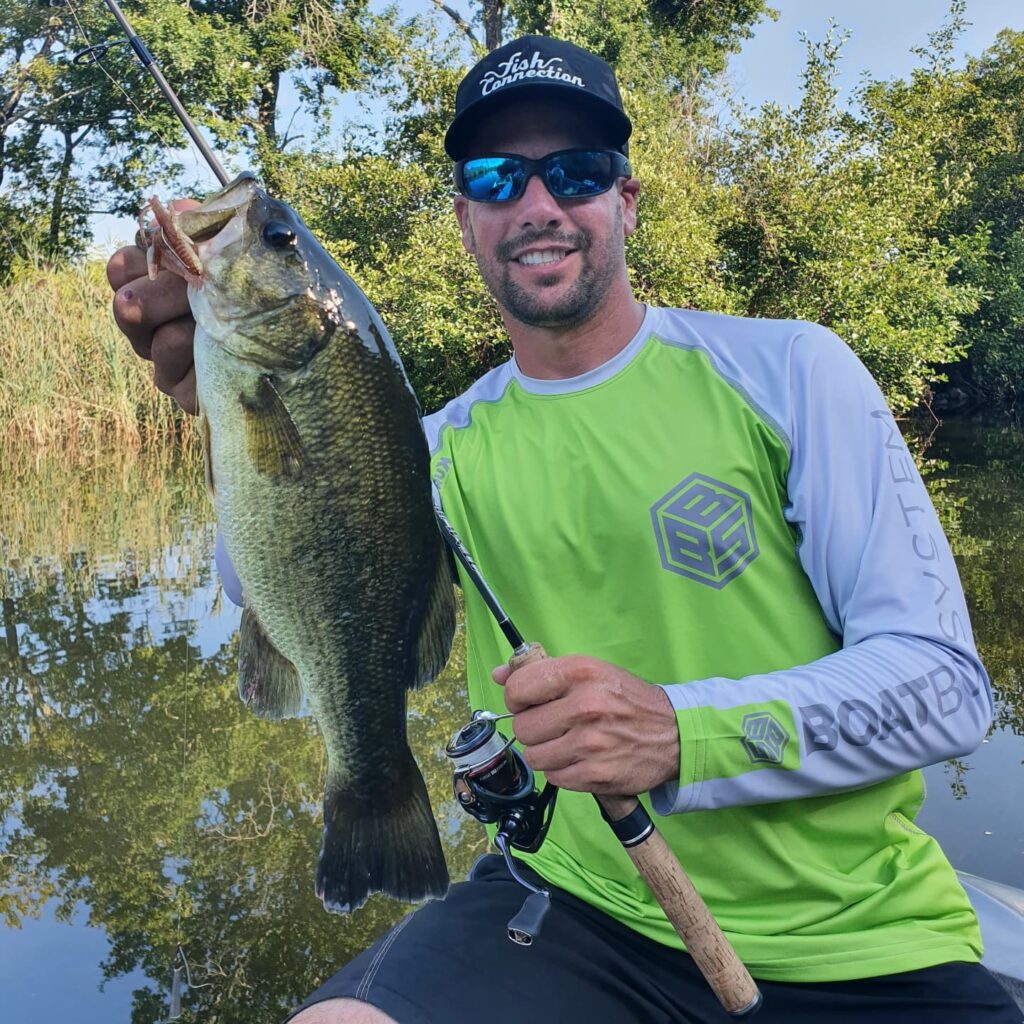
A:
<point x="142" y="306"/>
<point x="542" y="723"/>
<point x="583" y="777"/>
<point x="184" y="392"/>
<point x="500" y="674"/>
<point x="126" y="265"/>
<point x="554" y="756"/>
<point x="537" y="683"/>
<point x="172" y="356"/>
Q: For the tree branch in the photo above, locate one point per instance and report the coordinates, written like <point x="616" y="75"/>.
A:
<point x="459" y="20"/>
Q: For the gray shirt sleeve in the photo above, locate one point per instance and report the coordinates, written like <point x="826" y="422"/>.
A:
<point x="907" y="689"/>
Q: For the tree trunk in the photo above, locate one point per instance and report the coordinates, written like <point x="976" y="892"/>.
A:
<point x="59" y="190"/>
<point x="494" y="16"/>
<point x="9" y="106"/>
<point x="268" y="108"/>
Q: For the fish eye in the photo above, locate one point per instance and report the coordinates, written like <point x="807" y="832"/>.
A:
<point x="277" y="234"/>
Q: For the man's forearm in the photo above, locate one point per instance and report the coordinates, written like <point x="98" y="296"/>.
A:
<point x="885" y="706"/>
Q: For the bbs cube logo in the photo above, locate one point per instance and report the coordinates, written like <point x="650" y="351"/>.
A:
<point x="705" y="530"/>
<point x="764" y="738"/>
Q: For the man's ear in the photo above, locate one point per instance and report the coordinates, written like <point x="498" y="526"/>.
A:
<point x="628" y="195"/>
<point x="462" y="214"/>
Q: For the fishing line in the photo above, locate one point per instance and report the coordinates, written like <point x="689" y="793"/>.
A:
<point x="180" y="962"/>
<point x="94" y="54"/>
<point x="181" y="968"/>
<point x="97" y="52"/>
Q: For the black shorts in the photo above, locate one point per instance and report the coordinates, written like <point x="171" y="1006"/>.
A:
<point x="451" y="962"/>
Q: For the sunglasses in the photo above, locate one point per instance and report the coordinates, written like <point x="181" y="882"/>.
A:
<point x="567" y="174"/>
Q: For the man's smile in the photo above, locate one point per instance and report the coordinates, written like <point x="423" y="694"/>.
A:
<point x="542" y="257"/>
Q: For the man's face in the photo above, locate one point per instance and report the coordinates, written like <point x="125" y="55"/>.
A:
<point x="549" y="262"/>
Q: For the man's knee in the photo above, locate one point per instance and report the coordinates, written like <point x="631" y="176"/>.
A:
<point x="342" y="1011"/>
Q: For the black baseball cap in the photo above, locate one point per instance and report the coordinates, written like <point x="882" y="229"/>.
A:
<point x="532" y="67"/>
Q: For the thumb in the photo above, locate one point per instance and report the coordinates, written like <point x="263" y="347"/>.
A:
<point x="500" y="674"/>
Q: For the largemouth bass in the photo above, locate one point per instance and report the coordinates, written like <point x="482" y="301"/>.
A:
<point x="318" y="468"/>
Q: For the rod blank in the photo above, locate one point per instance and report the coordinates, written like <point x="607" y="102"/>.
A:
<point x="149" y="63"/>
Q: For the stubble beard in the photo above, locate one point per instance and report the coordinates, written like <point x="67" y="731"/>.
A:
<point x="597" y="272"/>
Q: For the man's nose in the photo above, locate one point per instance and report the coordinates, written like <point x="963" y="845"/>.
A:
<point x="537" y="207"/>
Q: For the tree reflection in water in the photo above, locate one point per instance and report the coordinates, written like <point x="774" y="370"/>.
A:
<point x="133" y="780"/>
<point x="978" y="484"/>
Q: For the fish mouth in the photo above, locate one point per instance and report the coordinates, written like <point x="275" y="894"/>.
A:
<point x="206" y="221"/>
<point x="193" y="236"/>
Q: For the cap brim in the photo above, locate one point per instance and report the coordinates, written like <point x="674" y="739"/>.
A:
<point x="614" y="125"/>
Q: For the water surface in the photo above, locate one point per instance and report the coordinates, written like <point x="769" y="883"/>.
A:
<point x="144" y="811"/>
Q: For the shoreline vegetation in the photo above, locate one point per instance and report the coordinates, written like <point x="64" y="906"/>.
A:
<point x="892" y="216"/>
<point x="71" y="386"/>
<point x="69" y="381"/>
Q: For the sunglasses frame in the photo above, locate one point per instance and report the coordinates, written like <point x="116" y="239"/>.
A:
<point x="620" y="169"/>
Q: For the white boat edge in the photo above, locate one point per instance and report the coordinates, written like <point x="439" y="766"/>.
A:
<point x="1000" y="910"/>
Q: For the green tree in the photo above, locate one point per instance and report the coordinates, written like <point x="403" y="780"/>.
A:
<point x="836" y="222"/>
<point x="79" y="139"/>
<point x="991" y="106"/>
<point x="386" y="211"/>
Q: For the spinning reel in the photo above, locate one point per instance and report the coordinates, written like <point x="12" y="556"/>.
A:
<point x="494" y="784"/>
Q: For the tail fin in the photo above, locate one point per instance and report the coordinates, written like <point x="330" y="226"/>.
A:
<point x="388" y="844"/>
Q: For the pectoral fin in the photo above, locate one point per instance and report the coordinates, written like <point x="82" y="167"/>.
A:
<point x="267" y="681"/>
<point x="435" y="640"/>
<point x="273" y="439"/>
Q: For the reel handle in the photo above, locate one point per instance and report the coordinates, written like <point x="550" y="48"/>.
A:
<point x="671" y="886"/>
<point x="525" y="926"/>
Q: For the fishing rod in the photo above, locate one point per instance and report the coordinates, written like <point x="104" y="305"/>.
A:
<point x="654" y="860"/>
<point x="146" y="59"/>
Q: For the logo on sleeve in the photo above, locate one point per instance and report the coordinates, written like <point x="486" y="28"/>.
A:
<point x="764" y="739"/>
<point x="705" y="530"/>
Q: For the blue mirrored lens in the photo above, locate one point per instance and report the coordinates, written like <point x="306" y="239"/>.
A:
<point x="493" y="179"/>
<point x="568" y="174"/>
<point x="579" y="174"/>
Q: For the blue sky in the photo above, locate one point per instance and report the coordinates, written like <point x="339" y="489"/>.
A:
<point x="882" y="33"/>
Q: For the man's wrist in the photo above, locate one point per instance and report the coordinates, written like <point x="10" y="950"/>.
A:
<point x="667" y="739"/>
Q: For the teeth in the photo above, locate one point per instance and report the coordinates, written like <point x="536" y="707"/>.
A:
<point x="546" y="256"/>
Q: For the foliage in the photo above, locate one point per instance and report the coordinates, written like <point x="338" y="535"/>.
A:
<point x="676" y="255"/>
<point x="78" y="139"/>
<point x="977" y="473"/>
<point x="837" y="223"/>
<point x="896" y="222"/>
<point x="668" y="43"/>
<point x="991" y="106"/>
<point x="813" y="213"/>
<point x="69" y="378"/>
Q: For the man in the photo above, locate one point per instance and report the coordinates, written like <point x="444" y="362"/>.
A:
<point x="719" y="506"/>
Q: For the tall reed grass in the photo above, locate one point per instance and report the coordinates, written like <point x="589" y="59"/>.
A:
<point x="68" y="379"/>
<point x="76" y="518"/>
